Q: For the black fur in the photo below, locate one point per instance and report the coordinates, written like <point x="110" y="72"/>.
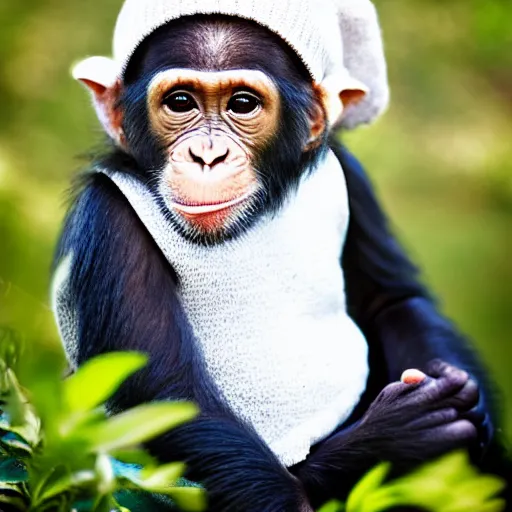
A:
<point x="126" y="296"/>
<point x="404" y="329"/>
<point x="387" y="298"/>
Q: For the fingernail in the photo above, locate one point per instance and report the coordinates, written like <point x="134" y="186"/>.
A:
<point x="413" y="377"/>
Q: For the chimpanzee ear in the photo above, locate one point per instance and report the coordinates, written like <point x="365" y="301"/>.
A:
<point x="101" y="76"/>
<point x="337" y="92"/>
<point x="317" y="124"/>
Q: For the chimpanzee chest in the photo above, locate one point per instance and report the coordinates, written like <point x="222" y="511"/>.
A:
<point x="269" y="314"/>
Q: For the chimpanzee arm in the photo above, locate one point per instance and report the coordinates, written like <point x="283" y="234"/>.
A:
<point x="401" y="423"/>
<point x="123" y="293"/>
<point x="395" y="311"/>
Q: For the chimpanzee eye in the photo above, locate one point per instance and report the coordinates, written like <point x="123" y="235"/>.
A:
<point x="243" y="104"/>
<point x="180" y="102"/>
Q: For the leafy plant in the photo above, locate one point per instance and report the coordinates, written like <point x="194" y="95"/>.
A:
<point x="450" y="484"/>
<point x="58" y="446"/>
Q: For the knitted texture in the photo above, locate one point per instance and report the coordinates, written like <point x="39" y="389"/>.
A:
<point x="268" y="312"/>
<point x="339" y="41"/>
<point x="310" y="28"/>
<point x="364" y="58"/>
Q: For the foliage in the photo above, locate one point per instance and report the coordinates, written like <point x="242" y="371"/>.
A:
<point x="58" y="445"/>
<point x="450" y="484"/>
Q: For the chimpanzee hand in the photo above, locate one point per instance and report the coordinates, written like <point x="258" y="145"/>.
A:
<point x="414" y="422"/>
<point x="470" y="405"/>
<point x="406" y="425"/>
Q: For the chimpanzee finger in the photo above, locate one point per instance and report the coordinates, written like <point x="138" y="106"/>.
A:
<point x="391" y="393"/>
<point x="475" y="415"/>
<point x="448" y="379"/>
<point x="458" y="434"/>
<point x="433" y="419"/>
<point x="466" y="399"/>
<point x="439" y="368"/>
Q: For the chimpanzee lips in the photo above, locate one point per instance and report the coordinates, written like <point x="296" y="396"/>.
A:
<point x="197" y="208"/>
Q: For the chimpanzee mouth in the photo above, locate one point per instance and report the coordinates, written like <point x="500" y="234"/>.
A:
<point x="190" y="208"/>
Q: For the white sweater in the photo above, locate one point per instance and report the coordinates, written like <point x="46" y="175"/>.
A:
<point x="268" y="312"/>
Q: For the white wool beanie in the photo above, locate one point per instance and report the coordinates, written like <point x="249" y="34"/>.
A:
<point x="339" y="42"/>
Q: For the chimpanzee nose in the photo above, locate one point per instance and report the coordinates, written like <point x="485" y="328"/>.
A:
<point x="208" y="153"/>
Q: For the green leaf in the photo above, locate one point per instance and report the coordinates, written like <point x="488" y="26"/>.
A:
<point x="437" y="487"/>
<point x="477" y="494"/>
<point x="99" y="378"/>
<point x="11" y="347"/>
<point x="45" y="476"/>
<point x="13" y="501"/>
<point x="16" y="448"/>
<point x="484" y="487"/>
<point x="452" y="468"/>
<point x="493" y="506"/>
<point x="21" y="419"/>
<point x="14" y="402"/>
<point x="78" y="480"/>
<point x="11" y="471"/>
<point x="382" y="499"/>
<point x="332" y="506"/>
<point x="104" y="503"/>
<point x="134" y="456"/>
<point x="106" y="476"/>
<point x="371" y="482"/>
<point x="11" y="488"/>
<point x="70" y="424"/>
<point x="138" y="425"/>
<point x="61" y="503"/>
<point x="189" y="498"/>
<point x="161" y="479"/>
<point x="41" y="372"/>
<point x="29" y="433"/>
<point x="119" y="507"/>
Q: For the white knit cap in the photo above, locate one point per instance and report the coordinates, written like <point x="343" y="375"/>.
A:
<point x="339" y="42"/>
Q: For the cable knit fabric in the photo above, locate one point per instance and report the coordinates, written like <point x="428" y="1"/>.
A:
<point x="268" y="312"/>
<point x="296" y="21"/>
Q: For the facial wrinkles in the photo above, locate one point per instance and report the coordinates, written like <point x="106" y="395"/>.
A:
<point x="186" y="187"/>
<point x="212" y="92"/>
<point x="175" y="129"/>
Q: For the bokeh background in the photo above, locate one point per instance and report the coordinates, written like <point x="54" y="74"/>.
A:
<point x="441" y="158"/>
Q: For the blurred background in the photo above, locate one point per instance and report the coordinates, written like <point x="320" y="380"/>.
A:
<point x="441" y="158"/>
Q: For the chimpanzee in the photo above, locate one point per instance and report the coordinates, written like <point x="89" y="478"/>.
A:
<point x="227" y="234"/>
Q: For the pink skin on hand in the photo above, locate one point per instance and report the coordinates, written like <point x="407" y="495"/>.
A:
<point x="413" y="377"/>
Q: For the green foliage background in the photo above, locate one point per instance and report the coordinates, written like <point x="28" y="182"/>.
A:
<point x="441" y="158"/>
